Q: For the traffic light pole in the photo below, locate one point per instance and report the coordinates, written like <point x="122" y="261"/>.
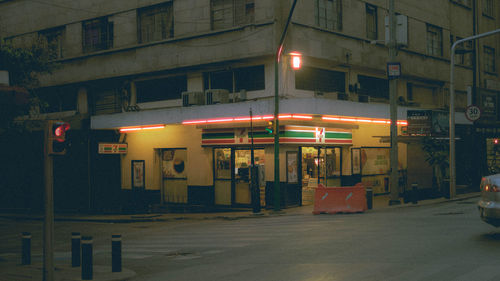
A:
<point x="48" y="223"/>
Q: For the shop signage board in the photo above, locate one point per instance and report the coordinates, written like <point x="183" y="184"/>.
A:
<point x="113" y="148"/>
<point x="288" y="134"/>
<point x="428" y="123"/>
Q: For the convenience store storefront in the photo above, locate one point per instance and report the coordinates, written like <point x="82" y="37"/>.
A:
<point x="207" y="163"/>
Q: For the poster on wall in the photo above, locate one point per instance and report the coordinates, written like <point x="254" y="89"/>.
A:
<point x="138" y="174"/>
<point x="174" y="163"/>
<point x="375" y="160"/>
<point x="292" y="167"/>
<point x="356" y="161"/>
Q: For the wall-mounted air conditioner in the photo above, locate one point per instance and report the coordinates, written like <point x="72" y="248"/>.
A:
<point x="240" y="96"/>
<point x="193" y="98"/>
<point x="214" y="96"/>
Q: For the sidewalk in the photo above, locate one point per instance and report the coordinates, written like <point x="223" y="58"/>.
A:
<point x="379" y="202"/>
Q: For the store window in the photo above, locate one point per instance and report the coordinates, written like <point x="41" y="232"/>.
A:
<point x="250" y="78"/>
<point x="229" y="13"/>
<point x="434" y="40"/>
<point x="329" y="14"/>
<point x="316" y="79"/>
<point x="167" y="88"/>
<point x="371" y="22"/>
<point x="97" y="35"/>
<point x="156" y="23"/>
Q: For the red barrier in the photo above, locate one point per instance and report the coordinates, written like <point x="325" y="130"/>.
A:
<point x="347" y="199"/>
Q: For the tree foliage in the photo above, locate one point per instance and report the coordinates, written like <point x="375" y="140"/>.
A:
<point x="437" y="155"/>
<point x="24" y="65"/>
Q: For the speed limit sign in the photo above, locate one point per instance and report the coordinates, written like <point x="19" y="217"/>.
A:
<point x="472" y="113"/>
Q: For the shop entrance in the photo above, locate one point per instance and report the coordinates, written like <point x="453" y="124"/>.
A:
<point x="320" y="165"/>
<point x="232" y="185"/>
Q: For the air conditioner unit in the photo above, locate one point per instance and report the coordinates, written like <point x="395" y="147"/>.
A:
<point x="240" y="96"/>
<point x="363" y="98"/>
<point x="325" y="95"/>
<point x="214" y="96"/>
<point x="193" y="98"/>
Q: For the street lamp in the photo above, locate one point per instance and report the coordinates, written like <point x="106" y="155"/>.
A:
<point x="277" y="193"/>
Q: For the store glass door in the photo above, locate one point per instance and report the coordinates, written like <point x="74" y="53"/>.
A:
<point x="242" y="163"/>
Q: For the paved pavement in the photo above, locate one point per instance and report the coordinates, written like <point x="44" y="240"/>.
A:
<point x="63" y="271"/>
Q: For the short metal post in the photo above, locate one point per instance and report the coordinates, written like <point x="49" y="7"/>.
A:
<point x="116" y="253"/>
<point x="414" y="193"/>
<point x="87" y="271"/>
<point x="26" y="255"/>
<point x="75" y="249"/>
<point x="369" y="198"/>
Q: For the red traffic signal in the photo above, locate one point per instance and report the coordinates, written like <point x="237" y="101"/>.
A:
<point x="56" y="141"/>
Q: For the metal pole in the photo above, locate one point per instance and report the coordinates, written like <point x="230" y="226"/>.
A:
<point x="254" y="187"/>
<point x="453" y="176"/>
<point x="116" y="253"/>
<point x="277" y="192"/>
<point x="26" y="248"/>
<point x="48" y="223"/>
<point x="394" y="176"/>
<point x="75" y="249"/>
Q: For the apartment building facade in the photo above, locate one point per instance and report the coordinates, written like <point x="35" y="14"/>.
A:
<point x="174" y="83"/>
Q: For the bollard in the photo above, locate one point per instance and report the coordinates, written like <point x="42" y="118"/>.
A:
<point x="26" y="254"/>
<point x="414" y="193"/>
<point x="369" y="198"/>
<point x="116" y="253"/>
<point x="75" y="249"/>
<point x="87" y="271"/>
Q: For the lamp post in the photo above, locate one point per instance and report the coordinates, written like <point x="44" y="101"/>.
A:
<point x="277" y="192"/>
<point x="452" y="107"/>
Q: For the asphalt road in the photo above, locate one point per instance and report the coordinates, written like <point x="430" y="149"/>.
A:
<point x="445" y="241"/>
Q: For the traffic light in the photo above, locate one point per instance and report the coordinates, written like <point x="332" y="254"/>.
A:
<point x="270" y="127"/>
<point x="56" y="141"/>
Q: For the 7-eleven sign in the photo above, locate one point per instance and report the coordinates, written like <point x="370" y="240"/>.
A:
<point x="320" y="135"/>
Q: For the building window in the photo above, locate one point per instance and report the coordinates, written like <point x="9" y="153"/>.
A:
<point x="156" y="23"/>
<point x="465" y="3"/>
<point x="489" y="59"/>
<point x="52" y="41"/>
<point x="371" y="22"/>
<point x="57" y="99"/>
<point x="229" y="13"/>
<point x="97" y="35"/>
<point x="463" y="52"/>
<point x="245" y="78"/>
<point x="373" y="87"/>
<point x="488" y="9"/>
<point x="322" y="80"/>
<point x="329" y="14"/>
<point x="434" y="40"/>
<point x="169" y="88"/>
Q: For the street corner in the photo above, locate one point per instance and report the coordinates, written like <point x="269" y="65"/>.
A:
<point x="100" y="273"/>
<point x="20" y="272"/>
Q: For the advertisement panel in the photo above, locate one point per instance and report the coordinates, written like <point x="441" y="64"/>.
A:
<point x="375" y="160"/>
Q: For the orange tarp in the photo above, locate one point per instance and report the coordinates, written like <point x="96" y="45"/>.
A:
<point x="331" y="200"/>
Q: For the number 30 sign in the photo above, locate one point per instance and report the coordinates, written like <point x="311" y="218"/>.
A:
<point x="472" y="113"/>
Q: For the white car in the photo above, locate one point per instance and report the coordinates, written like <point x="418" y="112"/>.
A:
<point x="489" y="205"/>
